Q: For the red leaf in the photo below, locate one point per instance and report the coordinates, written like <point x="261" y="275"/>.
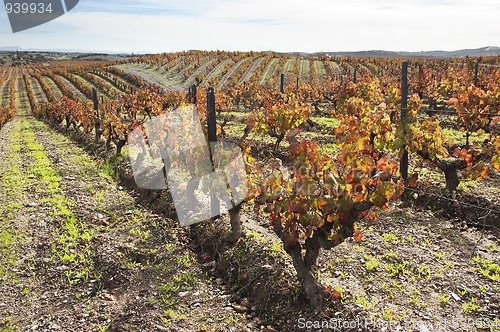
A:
<point x="412" y="182"/>
<point x="358" y="236"/>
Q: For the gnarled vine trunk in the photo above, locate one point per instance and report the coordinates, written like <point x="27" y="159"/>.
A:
<point x="451" y="167"/>
<point x="305" y="265"/>
<point x="308" y="282"/>
<point x="234" y="216"/>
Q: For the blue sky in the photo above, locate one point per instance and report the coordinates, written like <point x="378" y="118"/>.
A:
<point x="153" y="26"/>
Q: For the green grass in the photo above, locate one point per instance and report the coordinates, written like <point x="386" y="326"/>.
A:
<point x="234" y="128"/>
<point x="329" y="122"/>
<point x="109" y="170"/>
<point x="12" y="184"/>
<point x="6" y="238"/>
<point x="331" y="149"/>
<point x="53" y="86"/>
<point x="372" y="264"/>
<point x="444" y="299"/>
<point x="305" y="70"/>
<point x="237" y="115"/>
<point x="487" y="268"/>
<point x="457" y="136"/>
<point x="390" y="238"/>
<point x="471" y="306"/>
<point x="73" y="236"/>
<point x="269" y="71"/>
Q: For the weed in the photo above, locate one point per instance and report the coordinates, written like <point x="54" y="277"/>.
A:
<point x="330" y="148"/>
<point x="372" y="264"/>
<point x="444" y="299"/>
<point x="6" y="238"/>
<point x="68" y="258"/>
<point x="276" y="248"/>
<point x="100" y="197"/>
<point x="471" y="306"/>
<point x="169" y="247"/>
<point x="487" y="268"/>
<point x="410" y="239"/>
<point x="166" y="293"/>
<point x="390" y="238"/>
<point x="424" y="272"/>
<point x="397" y="269"/>
<point x="439" y="255"/>
<point x="103" y="328"/>
<point x="466" y="185"/>
<point x="186" y="260"/>
<point x="390" y="255"/>
<point x="388" y="315"/>
<point x="362" y="302"/>
<point x="109" y="170"/>
<point x="416" y="302"/>
<point x="492" y="247"/>
<point x="253" y="235"/>
<point x="143" y="235"/>
<point x="73" y="233"/>
<point x="186" y="279"/>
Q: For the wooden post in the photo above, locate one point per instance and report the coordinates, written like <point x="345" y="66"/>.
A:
<point x="476" y="74"/>
<point x="297" y="82"/>
<point x="96" y="111"/>
<point x="192" y="91"/>
<point x="282" y="83"/>
<point x="420" y="80"/>
<point x="212" y="140"/>
<point x="404" y="105"/>
<point x="94" y="99"/>
<point x="212" y="120"/>
<point x="354" y="78"/>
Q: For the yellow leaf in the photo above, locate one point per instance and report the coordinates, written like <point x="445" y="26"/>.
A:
<point x="495" y="162"/>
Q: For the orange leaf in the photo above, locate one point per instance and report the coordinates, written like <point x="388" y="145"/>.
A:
<point x="358" y="236"/>
<point x="412" y="182"/>
<point x="372" y="217"/>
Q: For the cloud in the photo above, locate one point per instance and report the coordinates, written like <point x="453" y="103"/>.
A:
<point x="293" y="25"/>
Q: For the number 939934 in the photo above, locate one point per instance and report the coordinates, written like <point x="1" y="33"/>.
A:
<point x="28" y="8"/>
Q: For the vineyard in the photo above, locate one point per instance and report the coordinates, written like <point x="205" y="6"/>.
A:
<point x="373" y="195"/>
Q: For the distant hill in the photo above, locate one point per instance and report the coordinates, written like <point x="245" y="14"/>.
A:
<point x="63" y="51"/>
<point x="477" y="52"/>
<point x="10" y="48"/>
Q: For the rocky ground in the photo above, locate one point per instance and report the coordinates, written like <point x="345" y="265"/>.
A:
<point x="82" y="251"/>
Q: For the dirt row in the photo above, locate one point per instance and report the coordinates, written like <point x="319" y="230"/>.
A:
<point x="80" y="253"/>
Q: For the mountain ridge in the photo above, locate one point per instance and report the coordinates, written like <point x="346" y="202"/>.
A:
<point x="472" y="52"/>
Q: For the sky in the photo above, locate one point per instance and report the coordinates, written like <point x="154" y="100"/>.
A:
<point x="154" y="26"/>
